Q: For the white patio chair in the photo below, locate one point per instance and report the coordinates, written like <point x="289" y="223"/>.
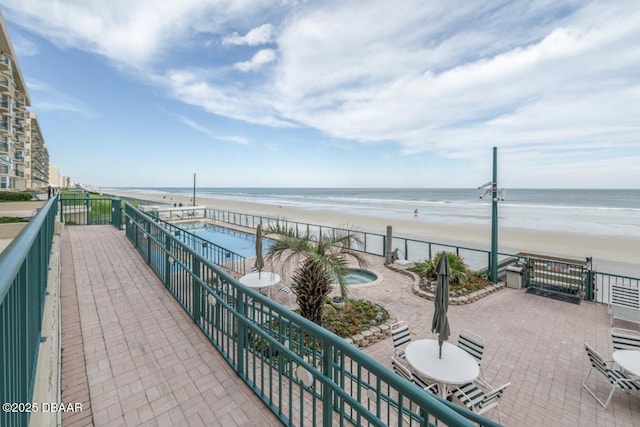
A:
<point x="480" y="400"/>
<point x="473" y="344"/>
<point x="404" y="371"/>
<point x="625" y="339"/>
<point x="615" y="377"/>
<point x="289" y="291"/>
<point x="401" y="337"/>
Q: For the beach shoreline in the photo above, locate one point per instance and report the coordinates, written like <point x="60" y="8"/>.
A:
<point x="611" y="254"/>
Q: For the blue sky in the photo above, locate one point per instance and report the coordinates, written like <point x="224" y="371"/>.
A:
<point x="334" y="93"/>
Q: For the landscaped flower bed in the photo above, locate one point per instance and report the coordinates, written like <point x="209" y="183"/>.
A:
<point x="462" y="281"/>
<point x="353" y="318"/>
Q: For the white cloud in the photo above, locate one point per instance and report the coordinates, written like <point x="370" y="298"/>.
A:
<point x="261" y="57"/>
<point x="257" y="36"/>
<point x="191" y="88"/>
<point x="24" y="46"/>
<point x="235" y="139"/>
<point x="536" y="78"/>
<point x="50" y="99"/>
<point x="132" y="33"/>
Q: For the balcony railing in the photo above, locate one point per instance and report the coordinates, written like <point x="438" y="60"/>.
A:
<point x="304" y="374"/>
<point x="24" y="265"/>
<point x="5" y="62"/>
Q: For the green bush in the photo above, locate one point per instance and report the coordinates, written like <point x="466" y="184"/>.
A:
<point x="460" y="272"/>
<point x="461" y="279"/>
<point x="15" y="196"/>
<point x="11" y="220"/>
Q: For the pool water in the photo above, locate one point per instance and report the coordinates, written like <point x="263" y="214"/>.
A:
<point x="232" y="240"/>
<point x="356" y="276"/>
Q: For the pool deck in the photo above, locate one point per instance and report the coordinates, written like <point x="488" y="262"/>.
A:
<point x="133" y="355"/>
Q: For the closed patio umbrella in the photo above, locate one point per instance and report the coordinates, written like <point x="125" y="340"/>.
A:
<point x="440" y="323"/>
<point x="259" y="265"/>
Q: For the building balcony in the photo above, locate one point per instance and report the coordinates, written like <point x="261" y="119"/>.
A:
<point x="6" y="63"/>
<point x="5" y="164"/>
<point x="5" y="84"/>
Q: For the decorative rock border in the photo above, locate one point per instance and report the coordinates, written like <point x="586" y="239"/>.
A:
<point x="465" y="299"/>
<point x="372" y="335"/>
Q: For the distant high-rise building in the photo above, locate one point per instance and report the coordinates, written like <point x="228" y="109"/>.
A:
<point x="24" y="158"/>
<point x="37" y="159"/>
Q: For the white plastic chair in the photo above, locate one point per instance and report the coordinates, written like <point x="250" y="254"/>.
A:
<point x="615" y="377"/>
<point x="625" y="339"/>
<point x="402" y="370"/>
<point x="473" y="344"/>
<point x="401" y="337"/>
<point x="289" y="291"/>
<point x="479" y="400"/>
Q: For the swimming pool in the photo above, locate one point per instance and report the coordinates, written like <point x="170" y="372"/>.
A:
<point x="357" y="276"/>
<point x="241" y="243"/>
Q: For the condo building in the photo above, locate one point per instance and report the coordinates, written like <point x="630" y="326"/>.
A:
<point x="24" y="158"/>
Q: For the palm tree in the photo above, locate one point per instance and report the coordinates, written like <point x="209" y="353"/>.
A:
<point x="320" y="261"/>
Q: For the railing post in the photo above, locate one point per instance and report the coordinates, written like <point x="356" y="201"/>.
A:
<point x="387" y="245"/>
<point x="116" y="213"/>
<point x="167" y="256"/>
<point x="196" y="290"/>
<point x="327" y="392"/>
<point x="589" y="278"/>
<point x="148" y="234"/>
<point x="86" y="208"/>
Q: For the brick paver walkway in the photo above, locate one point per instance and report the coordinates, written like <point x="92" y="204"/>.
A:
<point x="146" y="362"/>
<point x="75" y="386"/>
<point x="533" y="342"/>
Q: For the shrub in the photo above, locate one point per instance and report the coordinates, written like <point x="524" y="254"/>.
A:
<point x="15" y="196"/>
<point x="11" y="220"/>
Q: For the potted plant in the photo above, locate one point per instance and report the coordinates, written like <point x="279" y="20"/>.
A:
<point x="338" y="301"/>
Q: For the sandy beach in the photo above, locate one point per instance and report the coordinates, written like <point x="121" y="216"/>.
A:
<point x="611" y="254"/>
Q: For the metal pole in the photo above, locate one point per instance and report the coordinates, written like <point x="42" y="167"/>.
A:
<point x="494" y="219"/>
<point x="194" y="189"/>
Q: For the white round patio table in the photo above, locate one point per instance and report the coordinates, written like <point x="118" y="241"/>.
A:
<point x="629" y="360"/>
<point x="263" y="279"/>
<point x="455" y="368"/>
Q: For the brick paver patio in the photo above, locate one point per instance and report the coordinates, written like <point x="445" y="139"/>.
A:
<point x="147" y="364"/>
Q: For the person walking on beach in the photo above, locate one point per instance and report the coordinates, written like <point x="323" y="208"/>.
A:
<point x="415" y="213"/>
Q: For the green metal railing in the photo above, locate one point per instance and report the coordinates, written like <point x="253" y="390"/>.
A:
<point x="88" y="209"/>
<point x="225" y="258"/>
<point x="372" y="243"/>
<point x="24" y="266"/>
<point x="602" y="283"/>
<point x="303" y="373"/>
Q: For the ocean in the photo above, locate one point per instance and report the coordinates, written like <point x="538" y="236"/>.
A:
<point x="612" y="212"/>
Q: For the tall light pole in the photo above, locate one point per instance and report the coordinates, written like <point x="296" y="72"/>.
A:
<point x="494" y="218"/>
<point x="491" y="187"/>
<point x="194" y="189"/>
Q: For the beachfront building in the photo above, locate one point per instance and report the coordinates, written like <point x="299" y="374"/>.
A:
<point x="57" y="180"/>
<point x="36" y="156"/>
<point x="14" y="118"/>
